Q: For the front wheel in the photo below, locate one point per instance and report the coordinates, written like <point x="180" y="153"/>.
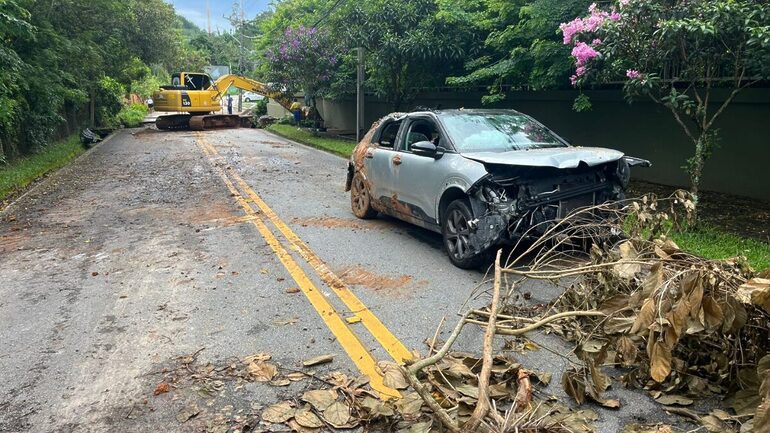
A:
<point x="360" y="199"/>
<point x="456" y="231"/>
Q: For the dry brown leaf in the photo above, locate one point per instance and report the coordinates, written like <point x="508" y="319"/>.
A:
<point x="653" y="281"/>
<point x="627" y="349"/>
<point x="673" y="399"/>
<point x="296" y="376"/>
<point x="262" y="371"/>
<point x="627" y="253"/>
<point x="280" y="382"/>
<point x="320" y="398"/>
<point x="306" y="418"/>
<point x="645" y="317"/>
<point x="660" y="361"/>
<point x="376" y="407"/>
<point x="257" y="357"/>
<point x="711" y="314"/>
<point x="338" y="414"/>
<point x="323" y="359"/>
<point x="409" y="406"/>
<point x="392" y="376"/>
<point x="278" y="413"/>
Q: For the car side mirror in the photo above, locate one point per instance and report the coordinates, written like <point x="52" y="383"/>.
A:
<point x="426" y="148"/>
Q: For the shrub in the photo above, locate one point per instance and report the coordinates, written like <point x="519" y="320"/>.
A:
<point x="132" y="115"/>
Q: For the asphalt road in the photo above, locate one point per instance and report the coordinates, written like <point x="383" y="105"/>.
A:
<point x="157" y="246"/>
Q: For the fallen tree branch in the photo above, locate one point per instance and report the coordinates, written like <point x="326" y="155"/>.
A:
<point x="539" y="323"/>
<point x="482" y="407"/>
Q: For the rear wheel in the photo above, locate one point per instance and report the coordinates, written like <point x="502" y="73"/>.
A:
<point x="360" y="200"/>
<point x="456" y="231"/>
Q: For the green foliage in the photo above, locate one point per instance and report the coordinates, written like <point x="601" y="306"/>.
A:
<point x="409" y="44"/>
<point x="109" y="97"/>
<point x="149" y="84"/>
<point x="336" y="146"/>
<point x="21" y="172"/>
<point x="522" y="49"/>
<point x="132" y="116"/>
<point x="57" y="57"/>
<point x="260" y="108"/>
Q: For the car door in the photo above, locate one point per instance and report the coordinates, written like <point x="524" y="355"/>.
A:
<point x="418" y="180"/>
<point x="378" y="161"/>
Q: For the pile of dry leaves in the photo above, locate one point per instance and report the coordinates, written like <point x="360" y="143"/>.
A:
<point x="680" y="326"/>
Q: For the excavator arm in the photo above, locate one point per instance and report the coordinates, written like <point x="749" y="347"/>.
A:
<point x="226" y="81"/>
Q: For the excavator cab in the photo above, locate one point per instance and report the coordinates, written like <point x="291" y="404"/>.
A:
<point x="189" y="81"/>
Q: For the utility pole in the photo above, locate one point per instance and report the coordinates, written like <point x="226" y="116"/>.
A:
<point x="360" y="94"/>
<point x="208" y="16"/>
<point x="240" y="58"/>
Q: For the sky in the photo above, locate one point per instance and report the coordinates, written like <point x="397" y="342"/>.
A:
<point x="195" y="11"/>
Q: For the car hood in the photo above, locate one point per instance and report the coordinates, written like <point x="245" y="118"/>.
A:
<point x="557" y="157"/>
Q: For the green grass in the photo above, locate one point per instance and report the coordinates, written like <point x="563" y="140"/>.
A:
<point x="21" y="172"/>
<point x="711" y="243"/>
<point x="336" y="146"/>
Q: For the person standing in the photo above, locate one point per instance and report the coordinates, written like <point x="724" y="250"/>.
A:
<point x="229" y="104"/>
<point x="296" y="110"/>
<point x="150" y="104"/>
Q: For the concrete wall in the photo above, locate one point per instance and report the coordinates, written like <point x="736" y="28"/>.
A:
<point x="741" y="165"/>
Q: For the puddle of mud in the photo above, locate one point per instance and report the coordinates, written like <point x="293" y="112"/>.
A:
<point x="335" y="223"/>
<point x="396" y="284"/>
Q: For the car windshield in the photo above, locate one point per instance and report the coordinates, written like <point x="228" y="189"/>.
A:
<point x="497" y="132"/>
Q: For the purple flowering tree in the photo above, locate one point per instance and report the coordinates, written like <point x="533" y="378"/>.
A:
<point x="303" y="59"/>
<point x="675" y="53"/>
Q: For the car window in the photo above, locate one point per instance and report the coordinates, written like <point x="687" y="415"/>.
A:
<point x="420" y="130"/>
<point x="497" y="132"/>
<point x="388" y="135"/>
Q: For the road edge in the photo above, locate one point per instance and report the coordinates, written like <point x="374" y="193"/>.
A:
<point x="46" y="178"/>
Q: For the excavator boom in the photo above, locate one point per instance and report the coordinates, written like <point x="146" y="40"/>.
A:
<point x="240" y="82"/>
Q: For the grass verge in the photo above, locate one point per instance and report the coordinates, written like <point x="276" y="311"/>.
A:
<point x="21" y="172"/>
<point x="336" y="146"/>
<point x="711" y="243"/>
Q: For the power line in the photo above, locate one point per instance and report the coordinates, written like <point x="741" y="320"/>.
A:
<point x="328" y="12"/>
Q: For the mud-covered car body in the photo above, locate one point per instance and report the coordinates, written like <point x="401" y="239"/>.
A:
<point x="509" y="170"/>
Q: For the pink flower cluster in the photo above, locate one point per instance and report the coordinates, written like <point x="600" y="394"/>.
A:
<point x="633" y="74"/>
<point x="591" y="23"/>
<point x="583" y="52"/>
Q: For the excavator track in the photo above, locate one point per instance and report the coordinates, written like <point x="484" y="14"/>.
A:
<point x="214" y="121"/>
<point x="173" y="122"/>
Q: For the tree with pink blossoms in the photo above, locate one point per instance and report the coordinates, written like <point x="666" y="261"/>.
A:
<point x="678" y="54"/>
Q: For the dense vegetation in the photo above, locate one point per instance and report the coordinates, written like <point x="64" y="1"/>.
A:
<point x="71" y="63"/>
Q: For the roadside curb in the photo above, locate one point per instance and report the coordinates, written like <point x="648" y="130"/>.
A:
<point x="46" y="178"/>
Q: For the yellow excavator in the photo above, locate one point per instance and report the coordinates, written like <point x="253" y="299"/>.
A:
<point x="194" y="96"/>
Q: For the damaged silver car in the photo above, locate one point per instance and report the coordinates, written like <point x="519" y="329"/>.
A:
<point x="481" y="178"/>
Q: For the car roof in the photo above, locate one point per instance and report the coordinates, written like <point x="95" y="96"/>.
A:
<point x="468" y="111"/>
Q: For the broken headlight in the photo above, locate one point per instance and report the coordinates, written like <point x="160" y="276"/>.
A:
<point x="623" y="172"/>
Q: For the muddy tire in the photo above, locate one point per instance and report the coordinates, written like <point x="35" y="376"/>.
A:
<point x="360" y="199"/>
<point x="456" y="231"/>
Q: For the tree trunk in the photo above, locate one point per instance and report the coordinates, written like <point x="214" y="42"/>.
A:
<point x="696" y="171"/>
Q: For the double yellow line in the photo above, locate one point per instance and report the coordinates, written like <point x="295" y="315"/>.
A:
<point x="333" y="319"/>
